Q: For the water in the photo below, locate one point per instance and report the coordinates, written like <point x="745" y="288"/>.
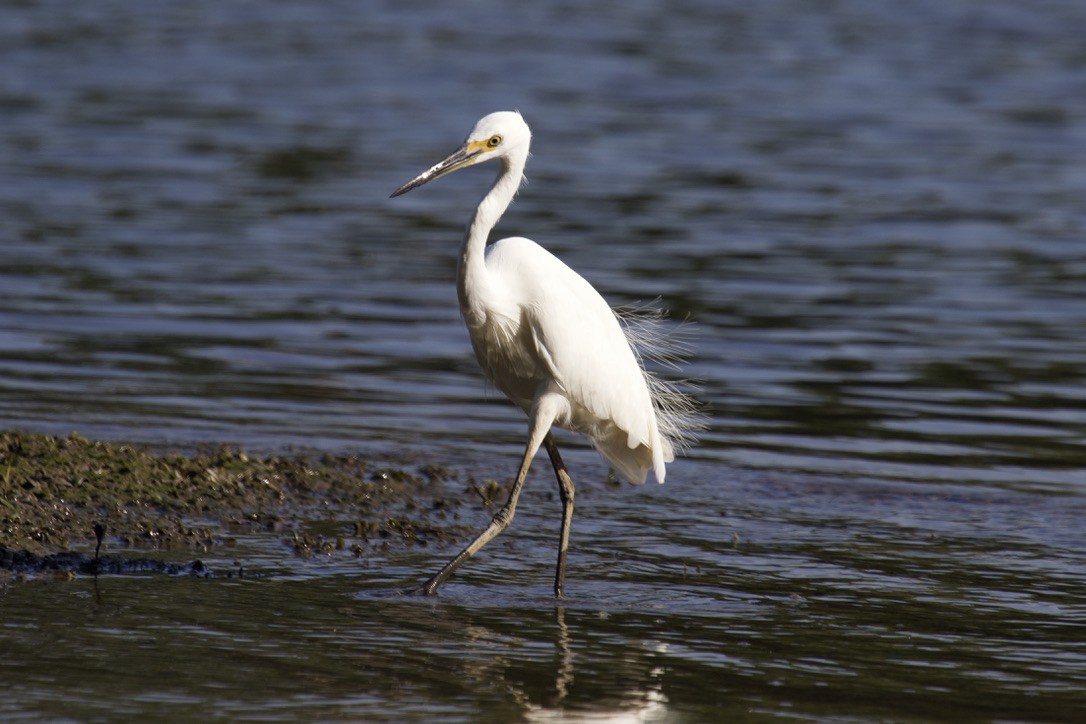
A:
<point x="872" y="212"/>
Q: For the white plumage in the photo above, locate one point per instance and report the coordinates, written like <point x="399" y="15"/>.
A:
<point x="547" y="339"/>
<point x="572" y="347"/>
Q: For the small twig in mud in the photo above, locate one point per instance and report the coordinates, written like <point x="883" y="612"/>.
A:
<point x="487" y="495"/>
<point x="482" y="496"/>
<point x="99" y="533"/>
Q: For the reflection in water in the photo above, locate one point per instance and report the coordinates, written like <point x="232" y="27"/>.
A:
<point x="791" y="620"/>
<point x="565" y="654"/>
<point x="641" y="705"/>
<point x="513" y="661"/>
<point x="633" y="705"/>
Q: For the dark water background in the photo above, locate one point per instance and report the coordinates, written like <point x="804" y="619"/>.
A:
<point x="873" y="212"/>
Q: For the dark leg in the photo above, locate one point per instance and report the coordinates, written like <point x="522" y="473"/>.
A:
<point x="499" y="523"/>
<point x="565" y="488"/>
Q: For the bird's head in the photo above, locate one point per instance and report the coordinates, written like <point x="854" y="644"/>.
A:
<point x="499" y="135"/>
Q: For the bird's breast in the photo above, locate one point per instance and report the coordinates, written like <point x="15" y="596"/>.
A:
<point x="506" y="352"/>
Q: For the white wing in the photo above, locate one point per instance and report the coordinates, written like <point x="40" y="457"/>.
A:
<point x="582" y="345"/>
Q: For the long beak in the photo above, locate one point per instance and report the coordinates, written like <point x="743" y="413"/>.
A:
<point x="464" y="156"/>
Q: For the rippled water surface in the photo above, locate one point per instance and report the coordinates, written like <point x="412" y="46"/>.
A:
<point x="872" y="212"/>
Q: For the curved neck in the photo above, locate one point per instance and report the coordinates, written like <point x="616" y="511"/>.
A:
<point x="472" y="280"/>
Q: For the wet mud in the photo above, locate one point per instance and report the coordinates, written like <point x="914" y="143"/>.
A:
<point x="61" y="498"/>
<point x="71" y="563"/>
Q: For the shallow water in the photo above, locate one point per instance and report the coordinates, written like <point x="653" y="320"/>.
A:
<point x="871" y="211"/>
<point x="868" y="614"/>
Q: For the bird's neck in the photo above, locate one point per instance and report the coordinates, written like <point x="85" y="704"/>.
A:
<point x="473" y="283"/>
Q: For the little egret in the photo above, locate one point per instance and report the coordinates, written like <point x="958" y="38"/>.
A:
<point x="547" y="339"/>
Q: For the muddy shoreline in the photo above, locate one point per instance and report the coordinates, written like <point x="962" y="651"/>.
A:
<point x="54" y="491"/>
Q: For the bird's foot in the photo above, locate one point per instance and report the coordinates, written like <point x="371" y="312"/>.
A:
<point x="427" y="589"/>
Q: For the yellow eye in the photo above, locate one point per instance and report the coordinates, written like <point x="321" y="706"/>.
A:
<point x="494" y="141"/>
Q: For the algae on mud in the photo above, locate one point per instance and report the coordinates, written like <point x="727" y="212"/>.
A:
<point x="54" y="490"/>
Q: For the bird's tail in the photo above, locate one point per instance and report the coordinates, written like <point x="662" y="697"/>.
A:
<point x="632" y="464"/>
<point x="660" y="347"/>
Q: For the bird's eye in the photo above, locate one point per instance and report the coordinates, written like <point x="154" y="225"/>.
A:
<point x="493" y="141"/>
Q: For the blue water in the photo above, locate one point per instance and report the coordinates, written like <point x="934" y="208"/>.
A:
<point x="871" y="212"/>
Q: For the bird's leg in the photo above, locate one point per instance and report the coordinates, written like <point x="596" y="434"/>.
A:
<point x="499" y="523"/>
<point x="565" y="489"/>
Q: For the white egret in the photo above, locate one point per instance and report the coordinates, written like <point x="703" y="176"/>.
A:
<point x="547" y="339"/>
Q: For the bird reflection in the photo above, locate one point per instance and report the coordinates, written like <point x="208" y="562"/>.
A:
<point x="633" y="704"/>
<point x="546" y="661"/>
